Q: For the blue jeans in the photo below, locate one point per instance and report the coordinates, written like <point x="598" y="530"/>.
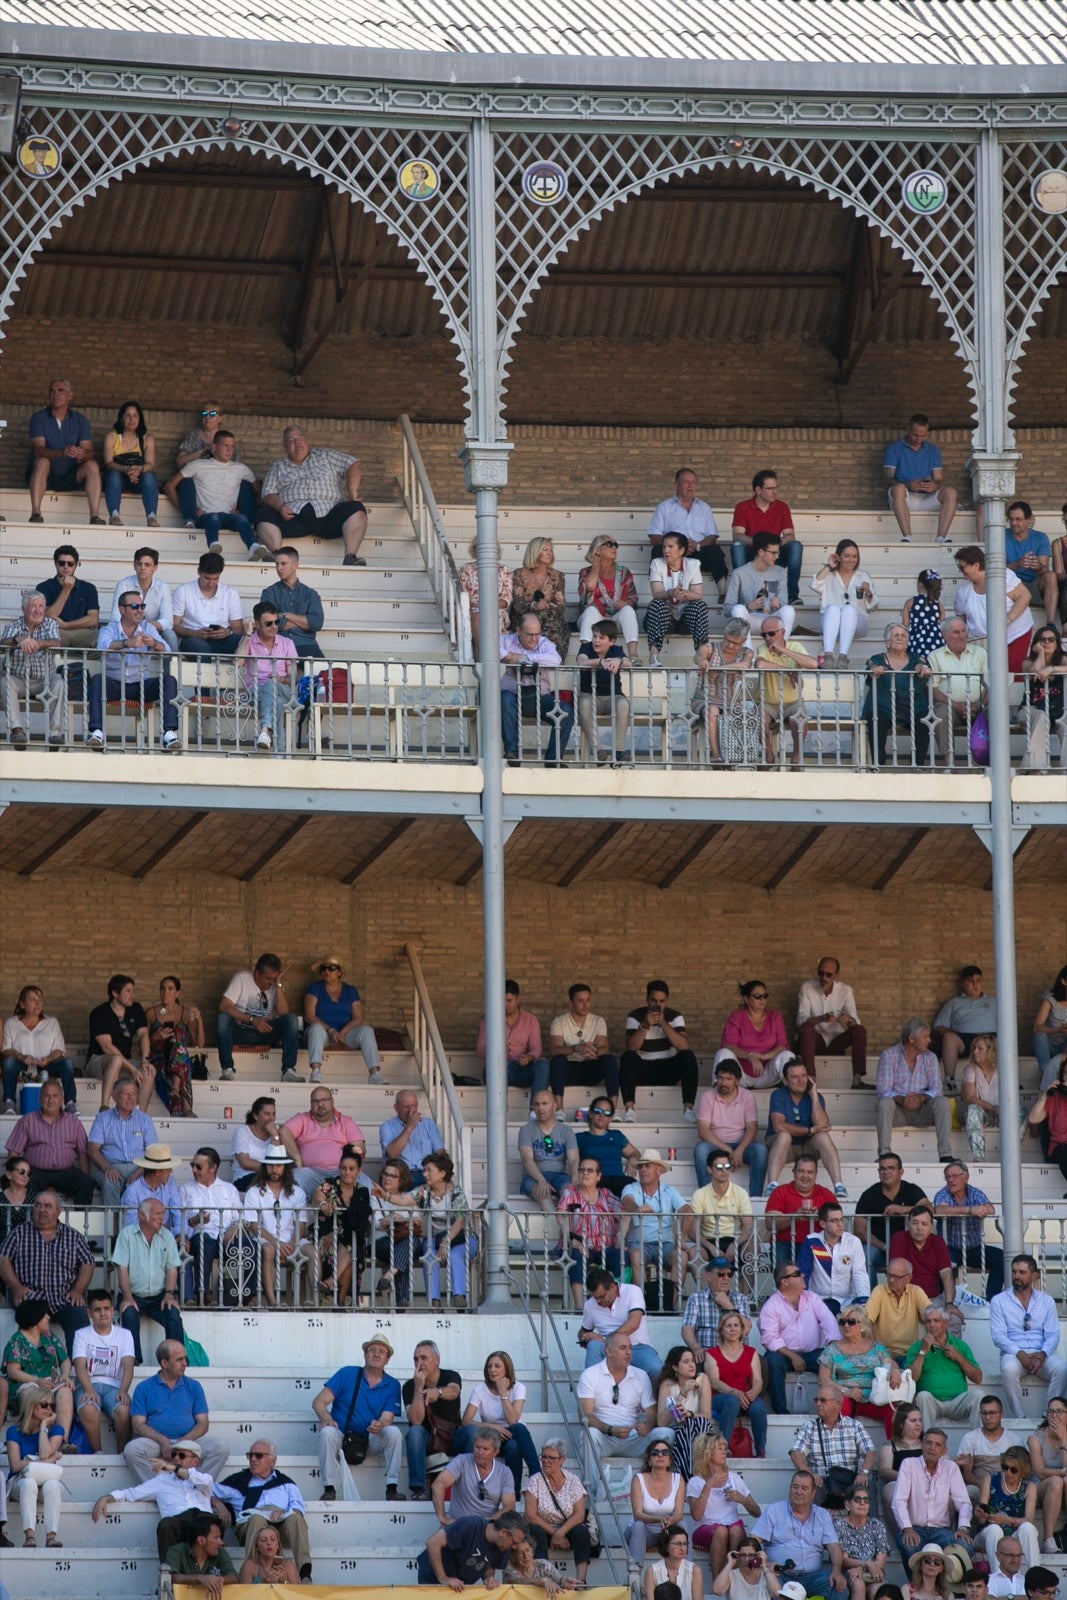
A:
<point x="213" y="523"/>
<point x="150" y="1305"/>
<point x="532" y="1077"/>
<point x="514" y="1452"/>
<point x="246" y="500"/>
<point x="777" y="1367"/>
<point x="550" y="707"/>
<point x="755" y="1160"/>
<point x="462" y="1251"/>
<point x="203" y="1253"/>
<point x="147" y="487"/>
<point x="726" y="1410"/>
<point x="644" y="1356"/>
<point x="557" y="1181"/>
<point x="285" y="1032"/>
<point x="817" y="1582"/>
<point x="940" y="1536"/>
<point x="271" y="699"/>
<point x="149" y="690"/>
<point x="791" y="557"/>
<point x="62" y="1069"/>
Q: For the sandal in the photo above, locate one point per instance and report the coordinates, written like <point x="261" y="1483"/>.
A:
<point x="29" y="1541"/>
<point x="53" y="1542"/>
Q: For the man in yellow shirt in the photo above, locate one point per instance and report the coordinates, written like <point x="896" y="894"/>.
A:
<point x="896" y="1310"/>
<point x="724" y="1213"/>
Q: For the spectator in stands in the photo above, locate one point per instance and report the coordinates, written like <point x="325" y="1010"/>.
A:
<point x="529" y="689"/>
<point x="746" y="1575"/>
<point x="468" y="581"/>
<point x="909" y="1089"/>
<point x="1043" y="698"/>
<point x="891" y="1196"/>
<point x="1047" y="1117"/>
<point x="1008" y="1575"/>
<point x="154" y="591"/>
<point x="657" y="1499"/>
<point x="268" y="664"/>
<point x="1029" y="556"/>
<point x="208" y="615"/>
<point x="1050" y="1025"/>
<point x="608" y="591"/>
<point x="1024" y="1327"/>
<point x="211" y="1212"/>
<point x="118" y="1030"/>
<point x="971" y="602"/>
<point x="755" y="589"/>
<point x="798" y="1125"/>
<point x="827" y="1020"/>
<point x="497" y="1404"/>
<point x="447" y="1241"/>
<point x="685" y="513"/>
<point x="800" y="1201"/>
<point x="252" y="1139"/>
<point x="896" y="1309"/>
<point x="196" y="445"/>
<point x="538" y="590"/>
<point x="783" y="709"/>
<point x="335" y="1019"/>
<point x="555" y="1505"/>
<point x="981" y="1448"/>
<point x="548" y="1151"/>
<point x="275" y="1214"/>
<point x="959" y="672"/>
<point x="61" y="453"/>
<point x="16" y="1200"/>
<point x="578" y="1048"/>
<point x="344" y="1228"/>
<point x="617" y="1402"/>
<point x="755" y="1036"/>
<point x="167" y="1407"/>
<point x="654" y="1236"/>
<point x="915" y="474"/>
<point x="175" y="1031"/>
<point x="705" y="1309"/>
<point x="832" y="1261"/>
<point x="904" y="1443"/>
<point x="409" y="1134"/>
<point x="1048" y="1464"/>
<point x="527" y="1067"/>
<point x="261" y="1497"/>
<point x="657" y="1051"/>
<point x="70" y="601"/>
<point x="132" y="652"/>
<point x="897" y="696"/>
<point x="254" y="1011"/>
<point x="927" y="1254"/>
<point x="363" y="1400"/>
<point x="725" y="694"/>
<point x="799" y="1531"/>
<point x="199" y="1557"/>
<point x="148" y="1263"/>
<point x="851" y="1361"/>
<point x="980" y="1092"/>
<point x="965" y="1206"/>
<point x="130" y="464"/>
<point x="391" y="1208"/>
<point x="832" y="1439"/>
<point x="601" y="693"/>
<point x="846" y="598"/>
<point x="35" y="1444"/>
<point x="467" y="1551"/>
<point x="683" y="1403"/>
<point x="265" y="1562"/>
<point x="935" y="1573"/>
<point x="736" y="1376"/>
<point x="944" y="1369"/>
<point x="28" y="644"/>
<point x="611" y="1308"/>
<point x="154" y="1181"/>
<point x="960" y="1020"/>
<point x="431" y="1401"/>
<point x="591" y="1232"/>
<point x="299" y="607"/>
<point x="931" y="1485"/>
<point x="216" y="499"/>
<point x="608" y="1146"/>
<point x="864" y="1543"/>
<point x="765" y="513"/>
<point x="45" y="1259"/>
<point x="312" y="492"/>
<point x="677" y="589"/>
<point x="724" y="1211"/>
<point x="35" y="1357"/>
<point x="178" y="1487"/>
<point x="33" y="1044"/>
<point x="727" y="1124"/>
<point x="53" y="1142"/>
<point x="103" y="1366"/>
<point x="1007" y="1501"/>
<point x="481" y="1485"/>
<point x="794" y="1325"/>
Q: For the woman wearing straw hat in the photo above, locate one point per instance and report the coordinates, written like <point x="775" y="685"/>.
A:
<point x="934" y="1573"/>
<point x="275" y="1217"/>
<point x="334" y="1017"/>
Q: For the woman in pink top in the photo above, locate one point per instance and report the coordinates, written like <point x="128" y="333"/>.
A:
<point x="756" y="1035"/>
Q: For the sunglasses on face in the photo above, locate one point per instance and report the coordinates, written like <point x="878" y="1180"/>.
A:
<point x="330" y="966"/>
<point x="787" y="1275"/>
<point x="209" y="413"/>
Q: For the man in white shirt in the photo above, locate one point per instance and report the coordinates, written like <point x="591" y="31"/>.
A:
<point x="218" y="479"/>
<point x="578" y="1048"/>
<point x="959" y="672"/>
<point x="103" y="1366"/>
<point x="833" y="1262"/>
<point x="211" y="1210"/>
<point x="611" y="1308"/>
<point x="254" y="1011"/>
<point x="685" y="512"/>
<point x="177" y="1486"/>
<point x="1011" y="1579"/>
<point x="208" y="617"/>
<point x="617" y="1402"/>
<point x="1025" y="1327"/>
<point x="827" y="1021"/>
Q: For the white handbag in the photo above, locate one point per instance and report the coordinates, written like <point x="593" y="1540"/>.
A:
<point x="883" y="1395"/>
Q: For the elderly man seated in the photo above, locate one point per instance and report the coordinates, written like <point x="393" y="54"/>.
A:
<point x="944" y="1370"/>
<point x="959" y="671"/>
<point x="53" y="1142"/>
<point x="178" y="1487"/>
<point x="794" y="1325"/>
<point x="798" y="1531"/>
<point x="655" y="1241"/>
<point x="45" y="1259"/>
<point x="965" y="1207"/>
<point x="908" y="1086"/>
<point x="930" y="1500"/>
<point x="896" y="1309"/>
<point x="261" y="1496"/>
<point x="31" y="671"/>
<point x="315" y="1138"/>
<point x="830" y="1439"/>
<point x="528" y="689"/>
<point x="117" y="1137"/>
<point x="411" y="1135"/>
<point x="313" y="492"/>
<point x="617" y="1402"/>
<point x="148" y="1263"/>
<point x="366" y="1400"/>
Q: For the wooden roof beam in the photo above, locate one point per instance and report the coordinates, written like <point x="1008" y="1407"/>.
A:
<point x="794" y="858"/>
<point x="273" y="850"/>
<point x="903" y="855"/>
<point x="684" y="862"/>
<point x="67" y="837"/>
<point x="367" y="861"/>
<point x="178" y="837"/>
<point x="600" y="846"/>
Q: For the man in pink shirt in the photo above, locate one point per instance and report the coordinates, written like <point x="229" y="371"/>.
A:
<point x="269" y="659"/>
<point x="314" y="1139"/>
<point x="53" y="1142"/>
<point x="794" y="1325"/>
<point x="927" y="1491"/>
<point x="728" y="1120"/>
<point x="527" y="1067"/>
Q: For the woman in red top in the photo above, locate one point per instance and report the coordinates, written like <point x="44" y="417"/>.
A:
<point x="736" y="1381"/>
<point x="607" y="590"/>
<point x="1047" y="1118"/>
<point x="756" y="1035"/>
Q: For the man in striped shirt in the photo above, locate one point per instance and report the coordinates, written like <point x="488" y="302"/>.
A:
<point x="312" y="492"/>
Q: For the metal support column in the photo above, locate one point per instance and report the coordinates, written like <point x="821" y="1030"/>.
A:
<point x="993" y="469"/>
<point x="485" y="466"/>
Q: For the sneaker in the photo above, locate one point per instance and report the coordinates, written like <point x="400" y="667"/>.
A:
<point x="653" y="658"/>
<point x="329" y="1493"/>
<point x="689" y="1115"/>
<point x="191" y="525"/>
<point x="35" y="516"/>
<point x="769" y="1188"/>
<point x="376" y="1077"/>
<point x="71" y="1105"/>
<point x="97" y="522"/>
<point x="1050" y="1548"/>
<point x="115" y="521"/>
<point x="265" y="740"/>
<point x="215" y="547"/>
<point x="19" y="738"/>
<point x="292" y="1076"/>
<point x="316" y="1075"/>
<point x="96" y="739"/>
<point x="905" y="538"/>
<point x="171" y="740"/>
<point x="393" y="1493"/>
<point x="629" y="1115"/>
<point x="943" y="538"/>
<point x="227" y="1072"/>
<point x="259" y="552"/>
<point x="9" y="1108"/>
<point x="353" y="561"/>
<point x="840" y="1191"/>
<point x="151" y="522"/>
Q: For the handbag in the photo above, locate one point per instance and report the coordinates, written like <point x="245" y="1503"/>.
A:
<point x="980" y="739"/>
<point x="198" y="1068"/>
<point x="837" y="1481"/>
<point x="883" y="1395"/>
<point x="741" y="1443"/>
<point x="442" y="1434"/>
<point x="354" y="1442"/>
<point x="592" y="1526"/>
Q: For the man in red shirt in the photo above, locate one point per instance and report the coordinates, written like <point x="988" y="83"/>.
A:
<point x="931" y="1266"/>
<point x="765" y="513"/>
<point x="801" y="1199"/>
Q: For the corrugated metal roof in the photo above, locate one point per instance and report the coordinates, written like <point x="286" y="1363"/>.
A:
<point x="919" y="32"/>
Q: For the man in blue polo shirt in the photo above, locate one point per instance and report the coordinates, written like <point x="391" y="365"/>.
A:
<point x="72" y="602"/>
<point x="360" y="1400"/>
<point x="915" y="475"/>
<point x="166" y="1407"/>
<point x="61" y="452"/>
<point x="1029" y="556"/>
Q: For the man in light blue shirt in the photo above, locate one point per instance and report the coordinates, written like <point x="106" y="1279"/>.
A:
<point x="147" y="1258"/>
<point x="653" y="1235"/>
<point x="117" y="1138"/>
<point x="409" y="1136"/>
<point x="1029" y="555"/>
<point x="1025" y="1328"/>
<point x="799" y="1531"/>
<point x="915" y="474"/>
<point x="685" y="512"/>
<point x="131" y="647"/>
<point x="526" y="684"/>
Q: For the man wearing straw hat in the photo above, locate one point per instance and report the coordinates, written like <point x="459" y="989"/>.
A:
<point x="155" y="1181"/>
<point x="360" y="1400"/>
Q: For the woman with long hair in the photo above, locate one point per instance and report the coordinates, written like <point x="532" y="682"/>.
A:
<point x="672" y="1565"/>
<point x="34" y="1448"/>
<point x="265" y="1562"/>
<point x="130" y="464"/>
<point x="1048" y="1465"/>
<point x="1047" y="1118"/>
<point x="497" y="1403"/>
<point x="846" y="595"/>
<point x="252" y="1139"/>
<point x="1050" y="1024"/>
<point x="468" y="581"/>
<point x="747" y="1574"/>
<point x="33" y="1047"/>
<point x="683" y="1403"/>
<point x="736" y="1376"/>
<point x="274" y="1216"/>
<point x="392" y="1207"/>
<point x="980" y="1088"/>
<point x="344" y="1207"/>
<point x="716" y="1498"/>
<point x="443" y="1222"/>
<point x="1043" y="697"/>
<point x="657" y="1498"/>
<point x="175" y="1031"/>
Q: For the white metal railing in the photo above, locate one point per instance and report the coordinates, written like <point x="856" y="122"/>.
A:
<point x="432" y="1061"/>
<point x="421" y="507"/>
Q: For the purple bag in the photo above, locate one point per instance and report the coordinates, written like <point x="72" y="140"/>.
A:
<point x="980" y="739"/>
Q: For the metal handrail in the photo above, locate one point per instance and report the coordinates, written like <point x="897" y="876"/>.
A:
<point x="421" y="507"/>
<point x="431" y="1057"/>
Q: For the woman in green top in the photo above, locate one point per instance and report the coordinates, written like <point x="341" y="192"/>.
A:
<point x="36" y="1356"/>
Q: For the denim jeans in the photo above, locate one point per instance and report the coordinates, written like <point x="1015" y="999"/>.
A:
<point x="726" y="1410"/>
<point x="550" y="708"/>
<point x="150" y="1305"/>
<point x="271" y="697"/>
<point x="532" y="1077"/>
<point x="777" y="1367"/>
<point x="514" y="1452"/>
<point x="791" y="557"/>
<point x="645" y="1357"/>
<point x="149" y="690"/>
<point x="147" y="487"/>
<point x="62" y="1069"/>
<point x="246" y="500"/>
<point x="755" y="1160"/>
<point x="285" y="1032"/>
<point x="214" y="522"/>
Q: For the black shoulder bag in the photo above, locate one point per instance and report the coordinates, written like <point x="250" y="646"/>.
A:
<point x="354" y="1443"/>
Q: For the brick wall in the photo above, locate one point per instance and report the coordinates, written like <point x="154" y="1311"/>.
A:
<point x="900" y="950"/>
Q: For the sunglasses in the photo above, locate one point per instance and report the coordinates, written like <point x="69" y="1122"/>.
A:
<point x="63" y="563"/>
<point x="663" y="1452"/>
<point x="267" y="622"/>
<point x="787" y="1275"/>
<point x="255" y="1455"/>
<point x="614" y="1394"/>
<point x="848" y="1322"/>
<point x="127" y="605"/>
<point x="610" y="544"/>
<point x="758" y="994"/>
<point x="209" y="413"/>
<point x="330" y="966"/>
<point x="721" y="1166"/>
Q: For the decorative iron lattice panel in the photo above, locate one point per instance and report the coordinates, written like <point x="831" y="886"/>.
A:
<point x="1035" y="243"/>
<point x="98" y="149"/>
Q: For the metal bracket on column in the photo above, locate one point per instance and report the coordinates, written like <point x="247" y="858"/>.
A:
<point x="485" y="466"/>
<point x="477" y="827"/>
<point x="993" y="474"/>
<point x="985" y="833"/>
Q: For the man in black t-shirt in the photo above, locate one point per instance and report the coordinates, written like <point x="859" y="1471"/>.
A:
<point x="118" y="1030"/>
<point x="430" y="1397"/>
<point x="465" y="1550"/>
<point x="891" y="1196"/>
